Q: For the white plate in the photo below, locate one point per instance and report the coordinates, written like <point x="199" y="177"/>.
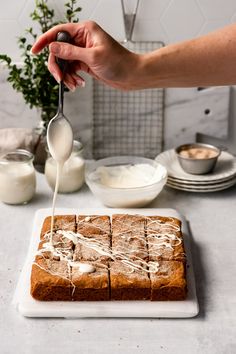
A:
<point x="200" y="190"/>
<point x="225" y="168"/>
<point x="196" y="186"/>
<point x="29" y="307"/>
<point x="201" y="183"/>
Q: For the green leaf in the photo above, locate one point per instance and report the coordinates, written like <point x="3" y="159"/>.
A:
<point x="5" y="58"/>
<point x="33" y="80"/>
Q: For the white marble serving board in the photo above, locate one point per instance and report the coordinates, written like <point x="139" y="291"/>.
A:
<point x="29" y="307"/>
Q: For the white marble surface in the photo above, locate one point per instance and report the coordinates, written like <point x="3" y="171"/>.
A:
<point x="213" y="224"/>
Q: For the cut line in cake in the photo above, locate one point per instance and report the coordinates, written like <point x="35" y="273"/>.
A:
<point x="125" y="257"/>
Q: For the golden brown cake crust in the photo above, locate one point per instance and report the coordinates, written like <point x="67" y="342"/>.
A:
<point x="50" y="280"/>
<point x="128" y="236"/>
<point x="164" y="239"/>
<point x="144" y="259"/>
<point x="93" y="227"/>
<point x="61" y="222"/>
<point x="127" y="223"/>
<point x="92" y="286"/>
<point x="169" y="282"/>
<point x="90" y="225"/>
<point x="83" y="253"/>
<point x="127" y="283"/>
<point x="50" y="276"/>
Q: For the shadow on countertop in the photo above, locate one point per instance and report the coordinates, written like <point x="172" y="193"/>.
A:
<point x="200" y="275"/>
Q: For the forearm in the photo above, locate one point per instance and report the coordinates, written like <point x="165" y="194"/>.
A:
<point x="205" y="61"/>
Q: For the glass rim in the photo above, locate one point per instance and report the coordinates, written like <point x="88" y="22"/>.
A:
<point x="8" y="157"/>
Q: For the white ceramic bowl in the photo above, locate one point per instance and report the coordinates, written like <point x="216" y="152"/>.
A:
<point x="131" y="197"/>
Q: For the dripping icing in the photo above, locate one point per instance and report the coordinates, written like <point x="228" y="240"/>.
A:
<point x="135" y="264"/>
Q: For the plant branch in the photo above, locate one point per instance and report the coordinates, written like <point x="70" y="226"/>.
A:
<point x="33" y="79"/>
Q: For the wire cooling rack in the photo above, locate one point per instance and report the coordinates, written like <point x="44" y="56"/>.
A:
<point x="128" y="123"/>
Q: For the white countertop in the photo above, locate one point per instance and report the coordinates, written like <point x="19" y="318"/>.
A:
<point x="213" y="222"/>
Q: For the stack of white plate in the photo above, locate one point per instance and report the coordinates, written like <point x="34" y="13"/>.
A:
<point x="223" y="176"/>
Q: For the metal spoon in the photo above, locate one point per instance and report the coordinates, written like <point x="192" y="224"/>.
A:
<point x="59" y="132"/>
<point x="60" y="121"/>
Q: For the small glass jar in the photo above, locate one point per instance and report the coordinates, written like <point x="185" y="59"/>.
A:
<point x="17" y="177"/>
<point x="72" y="177"/>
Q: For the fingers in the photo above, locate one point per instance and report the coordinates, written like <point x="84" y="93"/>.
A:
<point x="84" y="36"/>
<point x="68" y="51"/>
<point x="78" y="66"/>
<point x="46" y="38"/>
<point x="54" y="68"/>
<point x="71" y="79"/>
<point x="70" y="82"/>
<point x="79" y="80"/>
<point x="79" y="30"/>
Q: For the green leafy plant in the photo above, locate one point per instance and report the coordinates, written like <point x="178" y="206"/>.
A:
<point x="33" y="79"/>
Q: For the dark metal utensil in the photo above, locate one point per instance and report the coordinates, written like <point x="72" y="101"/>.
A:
<point x="61" y="37"/>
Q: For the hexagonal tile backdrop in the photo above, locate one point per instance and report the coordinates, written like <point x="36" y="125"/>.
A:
<point x="148" y="24"/>
<point x="182" y="19"/>
<point x="165" y="20"/>
<point x="10" y="13"/>
<point x="217" y="9"/>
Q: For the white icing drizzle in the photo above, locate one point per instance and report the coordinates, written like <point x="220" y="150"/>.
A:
<point x="51" y="272"/>
<point x="86" y="221"/>
<point x="83" y="267"/>
<point x="163" y="236"/>
<point x="59" y="171"/>
<point x="72" y="238"/>
<point x="159" y="237"/>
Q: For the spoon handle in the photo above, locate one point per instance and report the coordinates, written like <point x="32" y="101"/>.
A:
<point x="61" y="97"/>
<point x="62" y="36"/>
<point x="65" y="37"/>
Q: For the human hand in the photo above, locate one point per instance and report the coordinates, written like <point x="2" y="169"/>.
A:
<point x="93" y="51"/>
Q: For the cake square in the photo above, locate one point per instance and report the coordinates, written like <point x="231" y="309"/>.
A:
<point x="96" y="233"/>
<point x="89" y="225"/>
<point x="50" y="280"/>
<point x="164" y="239"/>
<point x="100" y="251"/>
<point x="127" y="283"/>
<point x="125" y="223"/>
<point x="128" y="236"/>
<point x="92" y="286"/>
<point x="61" y="222"/>
<point x="130" y="244"/>
<point x="50" y="276"/>
<point x="168" y="282"/>
<point x="62" y="244"/>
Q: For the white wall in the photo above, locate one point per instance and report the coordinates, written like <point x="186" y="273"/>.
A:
<point x="165" y="20"/>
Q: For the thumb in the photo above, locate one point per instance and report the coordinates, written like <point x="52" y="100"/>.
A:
<point x="67" y="51"/>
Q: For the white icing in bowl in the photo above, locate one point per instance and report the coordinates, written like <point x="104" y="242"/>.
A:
<point x="128" y="176"/>
<point x="126" y="181"/>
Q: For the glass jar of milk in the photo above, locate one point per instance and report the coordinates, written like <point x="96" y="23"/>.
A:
<point x="17" y="177"/>
<point x="72" y="176"/>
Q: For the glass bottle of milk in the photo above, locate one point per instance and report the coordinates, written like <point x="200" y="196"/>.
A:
<point x="17" y="177"/>
<point x="72" y="176"/>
